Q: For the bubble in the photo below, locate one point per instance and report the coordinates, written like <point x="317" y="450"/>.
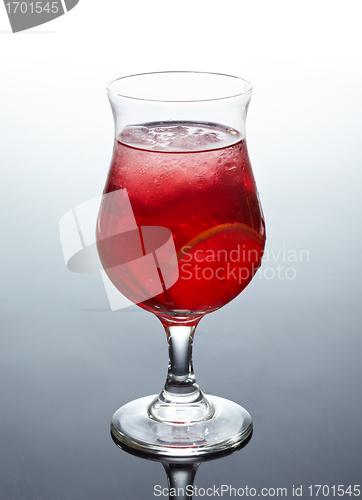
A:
<point x="231" y="218"/>
<point x="215" y="219"/>
<point x="205" y="221"/>
<point x="175" y="231"/>
<point x="184" y="221"/>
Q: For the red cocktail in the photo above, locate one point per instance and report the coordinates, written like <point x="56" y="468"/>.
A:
<point x="181" y="233"/>
<point x="195" y="180"/>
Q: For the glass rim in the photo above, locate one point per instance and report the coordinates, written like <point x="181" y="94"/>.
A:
<point x="248" y="87"/>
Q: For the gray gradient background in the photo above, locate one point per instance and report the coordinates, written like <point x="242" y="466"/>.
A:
<point x="288" y="350"/>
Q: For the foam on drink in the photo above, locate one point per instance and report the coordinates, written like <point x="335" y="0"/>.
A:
<point x="179" y="137"/>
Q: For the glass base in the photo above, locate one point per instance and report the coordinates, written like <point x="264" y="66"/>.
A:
<point x="228" y="427"/>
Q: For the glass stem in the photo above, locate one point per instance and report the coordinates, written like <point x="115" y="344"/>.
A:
<point x="180" y="380"/>
<point x="181" y="396"/>
<point x="180" y="478"/>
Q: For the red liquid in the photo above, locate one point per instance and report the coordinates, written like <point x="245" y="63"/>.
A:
<point x="195" y="180"/>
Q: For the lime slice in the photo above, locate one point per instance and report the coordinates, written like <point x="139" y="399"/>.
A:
<point x="215" y="266"/>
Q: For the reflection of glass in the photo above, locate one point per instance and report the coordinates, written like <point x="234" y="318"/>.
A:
<point x="181" y="472"/>
<point x="181" y="233"/>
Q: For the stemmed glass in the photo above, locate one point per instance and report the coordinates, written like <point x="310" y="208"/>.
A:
<point x="181" y="233"/>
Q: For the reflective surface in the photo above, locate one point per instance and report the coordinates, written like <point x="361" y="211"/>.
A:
<point x="301" y="386"/>
<point x="181" y="472"/>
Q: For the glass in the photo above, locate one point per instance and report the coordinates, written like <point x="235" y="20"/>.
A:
<point x="180" y="232"/>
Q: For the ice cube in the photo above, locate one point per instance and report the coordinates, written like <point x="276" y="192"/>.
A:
<point x="135" y="135"/>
